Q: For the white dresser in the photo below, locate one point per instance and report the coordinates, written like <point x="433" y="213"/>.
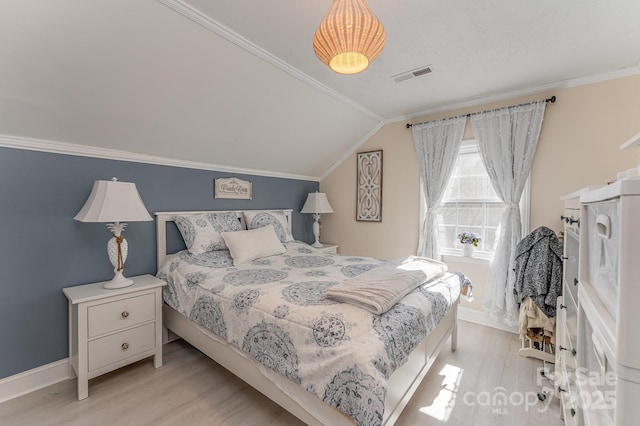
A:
<point x="608" y="343"/>
<point x="567" y="310"/>
<point x="109" y="329"/>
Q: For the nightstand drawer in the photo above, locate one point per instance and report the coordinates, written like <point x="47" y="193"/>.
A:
<point x="116" y="347"/>
<point x="119" y="314"/>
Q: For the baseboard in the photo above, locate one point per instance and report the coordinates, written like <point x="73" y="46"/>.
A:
<point x="483" y="318"/>
<point x="34" y="379"/>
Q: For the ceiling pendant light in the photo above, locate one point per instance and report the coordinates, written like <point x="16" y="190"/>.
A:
<point x="349" y="37"/>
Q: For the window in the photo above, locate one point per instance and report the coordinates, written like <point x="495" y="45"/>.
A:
<point x="469" y="204"/>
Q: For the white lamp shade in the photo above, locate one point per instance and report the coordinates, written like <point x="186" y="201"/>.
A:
<point x="317" y="203"/>
<point x="113" y="201"/>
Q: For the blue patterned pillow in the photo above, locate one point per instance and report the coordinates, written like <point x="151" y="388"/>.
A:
<point x="202" y="233"/>
<point x="258" y="219"/>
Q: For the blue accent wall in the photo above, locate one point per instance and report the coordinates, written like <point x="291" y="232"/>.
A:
<point x="43" y="249"/>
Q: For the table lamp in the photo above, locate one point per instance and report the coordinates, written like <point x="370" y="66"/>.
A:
<point x="316" y="203"/>
<point x="117" y="202"/>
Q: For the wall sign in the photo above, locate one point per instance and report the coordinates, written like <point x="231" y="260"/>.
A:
<point x="369" y="200"/>
<point x="232" y="188"/>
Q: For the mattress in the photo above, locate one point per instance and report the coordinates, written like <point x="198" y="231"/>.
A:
<point x="275" y="310"/>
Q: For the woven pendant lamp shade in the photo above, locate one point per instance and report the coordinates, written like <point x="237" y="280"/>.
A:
<point x="349" y="37"/>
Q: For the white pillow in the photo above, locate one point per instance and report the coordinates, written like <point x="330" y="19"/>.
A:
<point x="246" y="246"/>
<point x="202" y="233"/>
<point x="258" y="219"/>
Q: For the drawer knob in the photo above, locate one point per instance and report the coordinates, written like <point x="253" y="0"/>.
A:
<point x="575" y="281"/>
<point x="561" y="390"/>
<point x="573" y="412"/>
<point x="563" y="306"/>
<point x="573" y="351"/>
<point x="125" y="346"/>
<point x="125" y="314"/>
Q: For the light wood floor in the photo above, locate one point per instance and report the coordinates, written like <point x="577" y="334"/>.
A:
<point x="463" y="387"/>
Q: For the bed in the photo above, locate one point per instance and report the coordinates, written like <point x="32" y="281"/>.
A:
<point x="267" y="294"/>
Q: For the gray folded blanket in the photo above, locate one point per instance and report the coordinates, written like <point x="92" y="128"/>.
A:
<point x="377" y="290"/>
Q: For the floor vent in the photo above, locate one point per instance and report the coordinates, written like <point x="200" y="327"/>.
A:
<point x="412" y="74"/>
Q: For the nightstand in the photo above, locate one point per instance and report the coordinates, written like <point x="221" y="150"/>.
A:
<point x="109" y="329"/>
<point x="329" y="248"/>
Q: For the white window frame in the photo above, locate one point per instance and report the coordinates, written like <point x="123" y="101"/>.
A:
<point x="525" y="214"/>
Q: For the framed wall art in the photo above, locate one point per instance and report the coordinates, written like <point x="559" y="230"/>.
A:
<point x="369" y="199"/>
<point x="232" y="188"/>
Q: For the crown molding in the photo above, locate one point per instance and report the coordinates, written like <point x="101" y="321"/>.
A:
<point x="65" y="148"/>
<point x="564" y="84"/>
<point x="229" y="35"/>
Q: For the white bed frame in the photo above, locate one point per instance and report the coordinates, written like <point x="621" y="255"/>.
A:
<point x="302" y="404"/>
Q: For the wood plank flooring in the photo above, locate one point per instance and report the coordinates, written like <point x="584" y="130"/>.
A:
<point x="462" y="387"/>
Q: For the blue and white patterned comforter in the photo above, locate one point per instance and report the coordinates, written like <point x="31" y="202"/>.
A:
<point x="275" y="310"/>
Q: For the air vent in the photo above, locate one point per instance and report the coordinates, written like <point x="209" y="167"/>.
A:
<point x="412" y="74"/>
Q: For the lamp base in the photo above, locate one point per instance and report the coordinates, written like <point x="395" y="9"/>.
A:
<point x="118" y="281"/>
<point x="316" y="231"/>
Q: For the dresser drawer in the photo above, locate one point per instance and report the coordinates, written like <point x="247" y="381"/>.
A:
<point x="571" y="244"/>
<point x="569" y="363"/>
<point x="571" y="322"/>
<point x="116" y="347"/>
<point x="119" y="314"/>
<point x="602" y="251"/>
<point x="572" y="215"/>
<point x="569" y="410"/>
<point x="566" y="386"/>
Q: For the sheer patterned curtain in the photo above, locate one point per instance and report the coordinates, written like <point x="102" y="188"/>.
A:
<point x="437" y="144"/>
<point x="507" y="139"/>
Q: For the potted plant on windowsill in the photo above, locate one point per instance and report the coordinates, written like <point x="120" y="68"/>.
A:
<point x="469" y="242"/>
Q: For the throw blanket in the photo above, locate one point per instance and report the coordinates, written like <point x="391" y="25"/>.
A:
<point x="379" y="289"/>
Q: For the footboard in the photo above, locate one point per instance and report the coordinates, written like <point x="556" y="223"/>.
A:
<point x="406" y="379"/>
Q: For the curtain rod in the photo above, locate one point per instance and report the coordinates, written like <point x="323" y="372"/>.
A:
<point x="552" y="100"/>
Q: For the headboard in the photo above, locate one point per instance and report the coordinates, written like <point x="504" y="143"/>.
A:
<point x="163" y="217"/>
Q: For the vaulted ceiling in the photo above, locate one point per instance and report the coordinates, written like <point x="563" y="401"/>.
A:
<point x="236" y="83"/>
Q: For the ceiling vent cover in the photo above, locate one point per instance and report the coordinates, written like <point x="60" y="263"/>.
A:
<point x="412" y="74"/>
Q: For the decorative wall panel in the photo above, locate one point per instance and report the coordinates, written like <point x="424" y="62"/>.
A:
<point x="369" y="199"/>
